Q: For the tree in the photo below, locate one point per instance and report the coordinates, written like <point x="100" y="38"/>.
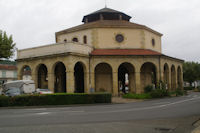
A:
<point x="191" y="71"/>
<point x="7" y="47"/>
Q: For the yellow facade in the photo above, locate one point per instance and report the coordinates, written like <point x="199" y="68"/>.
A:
<point x="69" y="66"/>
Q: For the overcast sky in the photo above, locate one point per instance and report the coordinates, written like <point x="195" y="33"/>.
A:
<point x="34" y="22"/>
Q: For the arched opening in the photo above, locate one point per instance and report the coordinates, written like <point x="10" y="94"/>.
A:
<point x="42" y="77"/>
<point x="126" y="78"/>
<point x="179" y="82"/>
<point x="85" y="39"/>
<point x="60" y="78"/>
<point x="166" y="75"/>
<point x="75" y="39"/>
<point x="79" y="77"/>
<point x="173" y="77"/>
<point x="103" y="78"/>
<point x="148" y="74"/>
<point x="26" y="73"/>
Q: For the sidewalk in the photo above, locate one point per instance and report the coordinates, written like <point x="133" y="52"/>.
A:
<point x="197" y="129"/>
<point x="124" y="100"/>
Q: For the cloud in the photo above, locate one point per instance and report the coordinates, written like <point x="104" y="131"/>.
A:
<point x="33" y="23"/>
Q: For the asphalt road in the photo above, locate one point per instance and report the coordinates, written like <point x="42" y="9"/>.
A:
<point x="173" y="115"/>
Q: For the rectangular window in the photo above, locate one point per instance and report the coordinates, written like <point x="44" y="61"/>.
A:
<point x="15" y="74"/>
<point x="3" y="74"/>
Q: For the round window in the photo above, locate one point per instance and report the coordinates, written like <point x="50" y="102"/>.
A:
<point x="119" y="38"/>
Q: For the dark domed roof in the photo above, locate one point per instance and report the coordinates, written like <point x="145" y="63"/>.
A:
<point x="105" y="14"/>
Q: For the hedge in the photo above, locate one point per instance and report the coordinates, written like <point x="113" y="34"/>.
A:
<point x="189" y="88"/>
<point x="55" y="99"/>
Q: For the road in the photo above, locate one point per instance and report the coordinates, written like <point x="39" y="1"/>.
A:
<point x="177" y="115"/>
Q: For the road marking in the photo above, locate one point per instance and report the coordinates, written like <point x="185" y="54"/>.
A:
<point x="142" y="108"/>
<point x="161" y="103"/>
<point x="43" y="113"/>
<point x="72" y="111"/>
<point x="37" y="109"/>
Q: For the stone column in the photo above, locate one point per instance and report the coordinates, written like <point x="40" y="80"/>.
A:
<point x="176" y="80"/>
<point x="51" y="81"/>
<point x="170" y="80"/>
<point x="115" y="83"/>
<point x="86" y="82"/>
<point x="70" y="81"/>
<point x="162" y="77"/>
<point x="34" y="76"/>
<point x="19" y="75"/>
<point x="181" y="80"/>
<point x="138" y="82"/>
<point x="92" y="80"/>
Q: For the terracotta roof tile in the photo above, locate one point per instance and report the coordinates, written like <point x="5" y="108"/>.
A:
<point x="124" y="52"/>
<point x="107" y="24"/>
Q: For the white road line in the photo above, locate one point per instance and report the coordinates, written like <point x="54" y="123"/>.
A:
<point x="161" y="103"/>
<point x="143" y="108"/>
<point x="37" y="109"/>
<point x="72" y="111"/>
<point x="43" y="113"/>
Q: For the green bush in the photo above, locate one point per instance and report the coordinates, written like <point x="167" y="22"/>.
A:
<point x="198" y="89"/>
<point x="148" y="88"/>
<point x="178" y="92"/>
<point x="189" y="88"/>
<point x="137" y="96"/>
<point x="55" y="99"/>
<point x="158" y="93"/>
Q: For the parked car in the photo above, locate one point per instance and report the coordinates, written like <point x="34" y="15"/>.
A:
<point x="12" y="92"/>
<point x="25" y="86"/>
<point x="43" y="91"/>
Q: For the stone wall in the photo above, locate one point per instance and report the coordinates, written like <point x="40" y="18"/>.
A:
<point x="91" y="78"/>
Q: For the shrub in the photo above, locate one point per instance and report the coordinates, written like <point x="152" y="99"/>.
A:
<point x="198" y="89"/>
<point x="178" y="92"/>
<point x="55" y="99"/>
<point x="189" y="88"/>
<point x="137" y="96"/>
<point x="148" y="88"/>
<point x="158" y="93"/>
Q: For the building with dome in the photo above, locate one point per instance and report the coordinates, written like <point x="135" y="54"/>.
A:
<point x="107" y="53"/>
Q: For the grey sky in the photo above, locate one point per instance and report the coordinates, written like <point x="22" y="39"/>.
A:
<point x="34" y="22"/>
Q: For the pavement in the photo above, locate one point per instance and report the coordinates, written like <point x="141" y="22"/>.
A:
<point x="197" y="125"/>
<point x="168" y="115"/>
<point x="125" y="100"/>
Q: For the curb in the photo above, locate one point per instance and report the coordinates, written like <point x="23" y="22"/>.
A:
<point x="196" y="130"/>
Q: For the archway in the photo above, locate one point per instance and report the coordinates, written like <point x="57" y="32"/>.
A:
<point x="103" y="78"/>
<point x="126" y="77"/>
<point x="148" y="74"/>
<point x="166" y="75"/>
<point x="179" y="82"/>
<point x="42" y="77"/>
<point x="173" y="77"/>
<point x="79" y="77"/>
<point x="60" y="78"/>
<point x="25" y="73"/>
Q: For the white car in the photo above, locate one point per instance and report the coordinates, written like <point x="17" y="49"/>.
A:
<point x="43" y="91"/>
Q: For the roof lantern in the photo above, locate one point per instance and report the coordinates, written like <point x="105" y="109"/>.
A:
<point x="105" y="14"/>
